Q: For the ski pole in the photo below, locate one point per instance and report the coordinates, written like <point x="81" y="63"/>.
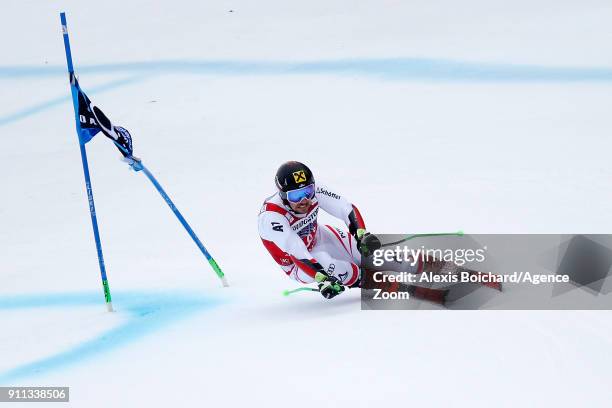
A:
<point x="90" y="198"/>
<point x="290" y="292"/>
<point x="439" y="234"/>
<point x="137" y="166"/>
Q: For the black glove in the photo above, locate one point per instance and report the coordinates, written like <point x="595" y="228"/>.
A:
<point x="329" y="286"/>
<point x="368" y="243"/>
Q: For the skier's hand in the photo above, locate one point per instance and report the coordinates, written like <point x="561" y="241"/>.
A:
<point x="329" y="286"/>
<point x="367" y="243"/>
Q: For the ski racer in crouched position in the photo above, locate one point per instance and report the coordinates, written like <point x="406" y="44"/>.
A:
<point x="308" y="252"/>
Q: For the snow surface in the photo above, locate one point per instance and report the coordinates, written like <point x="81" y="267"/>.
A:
<point x="486" y="116"/>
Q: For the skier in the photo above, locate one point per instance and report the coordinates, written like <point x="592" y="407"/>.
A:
<point x="330" y="256"/>
<point x="288" y="227"/>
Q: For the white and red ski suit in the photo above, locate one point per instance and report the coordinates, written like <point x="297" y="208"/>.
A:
<point x="293" y="238"/>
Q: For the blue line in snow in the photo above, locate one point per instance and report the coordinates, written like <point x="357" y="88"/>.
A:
<point x="398" y="69"/>
<point x="40" y="107"/>
<point x="147" y="313"/>
<point x="426" y="69"/>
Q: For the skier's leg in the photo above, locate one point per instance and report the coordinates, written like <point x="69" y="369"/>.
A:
<point x="337" y="252"/>
<point x="300" y="275"/>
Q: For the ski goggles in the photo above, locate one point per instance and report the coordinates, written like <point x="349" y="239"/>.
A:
<point x="295" y="196"/>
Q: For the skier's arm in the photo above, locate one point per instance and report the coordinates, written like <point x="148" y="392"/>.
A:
<point x="338" y="206"/>
<point x="341" y="208"/>
<point x="275" y="228"/>
<point x="356" y="223"/>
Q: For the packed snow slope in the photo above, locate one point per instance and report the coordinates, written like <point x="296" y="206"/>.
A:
<point x="491" y="117"/>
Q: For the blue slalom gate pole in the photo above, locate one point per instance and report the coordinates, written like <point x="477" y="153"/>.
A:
<point x="139" y="166"/>
<point x="92" y="208"/>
